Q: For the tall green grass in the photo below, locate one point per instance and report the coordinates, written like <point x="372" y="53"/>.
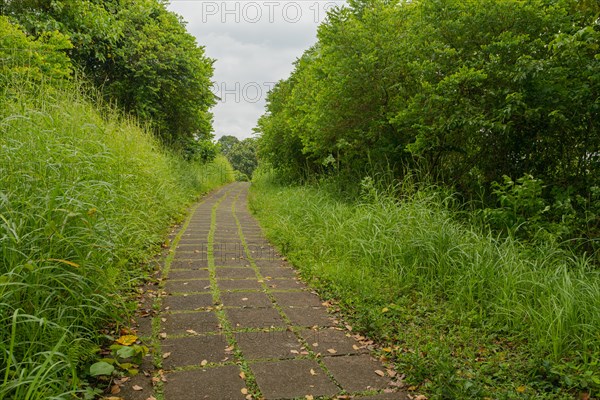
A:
<point x="401" y="243"/>
<point x="84" y="196"/>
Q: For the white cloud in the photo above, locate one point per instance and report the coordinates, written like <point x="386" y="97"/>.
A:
<point x="254" y="44"/>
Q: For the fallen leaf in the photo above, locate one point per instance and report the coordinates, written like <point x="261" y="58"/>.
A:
<point x="294" y="351"/>
<point x="127" y="340"/>
<point x="151" y="398"/>
<point x="355" y="347"/>
<point x="420" y="397"/>
<point x="242" y="375"/>
<point x="312" y="372"/>
<point x="391" y="373"/>
<point x="412" y="388"/>
<point x="229" y="348"/>
<point x="203" y="363"/>
<point x="244" y="391"/>
<point x="315" y="344"/>
<point x="115" y="389"/>
<point x="137" y="388"/>
<point x="166" y="355"/>
<point x="193" y="332"/>
<point x="163" y="335"/>
<point x="380" y="373"/>
<point x="331" y="351"/>
<point x="309" y="397"/>
<point x="349" y="328"/>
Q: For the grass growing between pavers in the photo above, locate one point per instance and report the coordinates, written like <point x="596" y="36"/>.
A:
<point x="461" y="313"/>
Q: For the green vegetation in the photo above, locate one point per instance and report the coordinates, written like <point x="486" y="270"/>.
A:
<point x="86" y="198"/>
<point x="241" y="154"/>
<point x="467" y="91"/>
<point x="463" y="313"/>
<point x="474" y="257"/>
<point x="138" y="54"/>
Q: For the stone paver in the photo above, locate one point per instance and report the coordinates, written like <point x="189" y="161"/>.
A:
<point x="245" y="299"/>
<point x="254" y="318"/>
<point x="181" y="323"/>
<point x="187" y="286"/>
<point x="309" y="316"/>
<point x="189" y="302"/>
<point x="221" y="383"/>
<point x="273" y="344"/>
<point x="185" y="351"/>
<point x="230" y="302"/>
<point x="321" y="340"/>
<point x="297" y="299"/>
<point x="185" y="274"/>
<point x="356" y="373"/>
<point x="292" y="378"/>
<point x="239" y="284"/>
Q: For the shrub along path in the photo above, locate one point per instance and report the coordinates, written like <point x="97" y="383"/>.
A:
<point x="236" y="323"/>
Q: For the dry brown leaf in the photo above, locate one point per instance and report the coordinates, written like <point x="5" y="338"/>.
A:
<point x="380" y="373"/>
<point x="391" y="373"/>
<point x="163" y="335"/>
<point x="203" y="363"/>
<point x="242" y="375"/>
<point x="331" y="351"/>
<point x="244" y="391"/>
<point x="355" y="347"/>
<point x="115" y="389"/>
<point x="137" y="388"/>
<point x="294" y="351"/>
<point x="312" y="372"/>
<point x="163" y="319"/>
<point x="229" y="348"/>
<point x="420" y="397"/>
<point x="193" y="332"/>
<point x="315" y="344"/>
<point x="151" y="398"/>
<point x="166" y="355"/>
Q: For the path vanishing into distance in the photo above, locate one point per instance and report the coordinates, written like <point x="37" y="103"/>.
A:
<point x="231" y="320"/>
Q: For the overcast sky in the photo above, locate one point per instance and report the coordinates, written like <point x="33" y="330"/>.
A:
<point x="254" y="44"/>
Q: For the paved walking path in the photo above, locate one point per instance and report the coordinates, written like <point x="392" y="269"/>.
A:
<point x="236" y="323"/>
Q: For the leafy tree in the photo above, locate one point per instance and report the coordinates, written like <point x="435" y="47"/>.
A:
<point x="242" y="156"/>
<point x="469" y="91"/>
<point x="227" y="142"/>
<point x="138" y="53"/>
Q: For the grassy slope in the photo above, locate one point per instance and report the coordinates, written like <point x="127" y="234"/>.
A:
<point x="463" y="314"/>
<point x="83" y="196"/>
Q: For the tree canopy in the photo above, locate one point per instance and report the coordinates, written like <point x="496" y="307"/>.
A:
<point x="468" y="91"/>
<point x="138" y="53"/>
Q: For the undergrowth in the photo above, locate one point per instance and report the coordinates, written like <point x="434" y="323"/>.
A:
<point x="85" y="196"/>
<point x="462" y="312"/>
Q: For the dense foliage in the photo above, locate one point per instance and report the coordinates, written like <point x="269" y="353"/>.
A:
<point x="463" y="313"/>
<point x="138" y="53"/>
<point x="469" y="92"/>
<point x="241" y="154"/>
